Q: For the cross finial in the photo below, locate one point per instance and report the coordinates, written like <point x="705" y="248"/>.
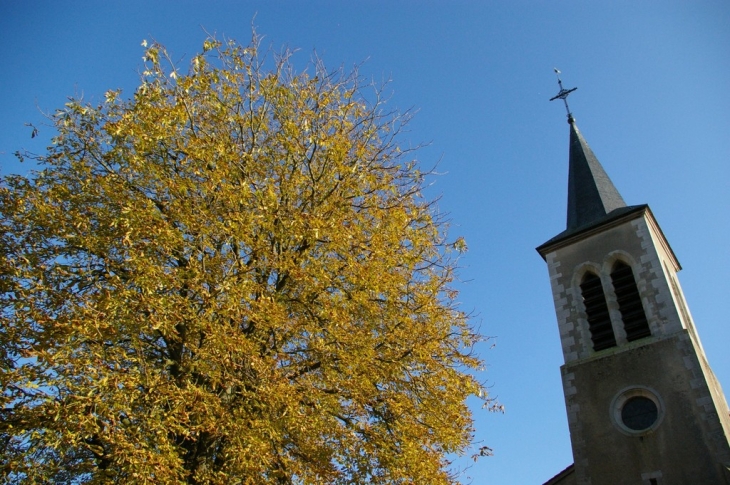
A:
<point x="563" y="94"/>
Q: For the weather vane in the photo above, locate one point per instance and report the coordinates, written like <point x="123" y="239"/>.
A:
<point x="563" y="94"/>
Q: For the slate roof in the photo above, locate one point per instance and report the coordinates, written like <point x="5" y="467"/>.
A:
<point x="591" y="194"/>
<point x="593" y="200"/>
<point x="565" y="476"/>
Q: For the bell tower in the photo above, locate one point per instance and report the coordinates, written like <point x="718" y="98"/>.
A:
<point x="643" y="404"/>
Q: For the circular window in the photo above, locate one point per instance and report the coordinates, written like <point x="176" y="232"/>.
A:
<point x="637" y="410"/>
<point x="639" y="413"/>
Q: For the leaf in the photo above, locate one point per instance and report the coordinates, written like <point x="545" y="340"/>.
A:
<point x="231" y="275"/>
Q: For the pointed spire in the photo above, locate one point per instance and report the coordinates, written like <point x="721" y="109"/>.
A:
<point x="593" y="200"/>
<point x="591" y="194"/>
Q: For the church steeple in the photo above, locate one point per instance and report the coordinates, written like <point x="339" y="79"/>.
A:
<point x="591" y="194"/>
<point x="643" y="404"/>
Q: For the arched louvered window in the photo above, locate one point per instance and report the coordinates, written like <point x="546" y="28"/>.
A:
<point x="599" y="321"/>
<point x="629" y="302"/>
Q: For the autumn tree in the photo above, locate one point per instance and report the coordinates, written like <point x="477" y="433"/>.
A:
<point x="230" y="277"/>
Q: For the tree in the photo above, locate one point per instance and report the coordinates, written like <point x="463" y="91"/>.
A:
<point x="231" y="277"/>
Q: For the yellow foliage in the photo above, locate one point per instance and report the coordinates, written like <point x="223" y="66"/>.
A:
<point x="229" y="278"/>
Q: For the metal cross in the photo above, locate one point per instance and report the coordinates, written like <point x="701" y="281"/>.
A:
<point x="563" y="94"/>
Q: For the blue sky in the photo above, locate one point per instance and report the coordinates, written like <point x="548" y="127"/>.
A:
<point x="653" y="102"/>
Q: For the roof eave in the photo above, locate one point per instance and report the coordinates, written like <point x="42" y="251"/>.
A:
<point x="612" y="219"/>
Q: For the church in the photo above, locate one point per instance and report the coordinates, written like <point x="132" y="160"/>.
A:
<point x="643" y="404"/>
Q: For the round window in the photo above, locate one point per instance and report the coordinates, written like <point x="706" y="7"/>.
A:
<point x="639" y="413"/>
<point x="637" y="410"/>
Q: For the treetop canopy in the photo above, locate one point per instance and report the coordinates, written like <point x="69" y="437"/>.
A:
<point x="230" y="277"/>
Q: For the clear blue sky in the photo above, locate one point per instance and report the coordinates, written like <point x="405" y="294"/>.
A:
<point x="653" y="102"/>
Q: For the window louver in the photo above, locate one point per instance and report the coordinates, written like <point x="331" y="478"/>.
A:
<point x="599" y="321"/>
<point x="629" y="302"/>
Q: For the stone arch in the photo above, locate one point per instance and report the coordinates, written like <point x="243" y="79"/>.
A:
<point x="618" y="255"/>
